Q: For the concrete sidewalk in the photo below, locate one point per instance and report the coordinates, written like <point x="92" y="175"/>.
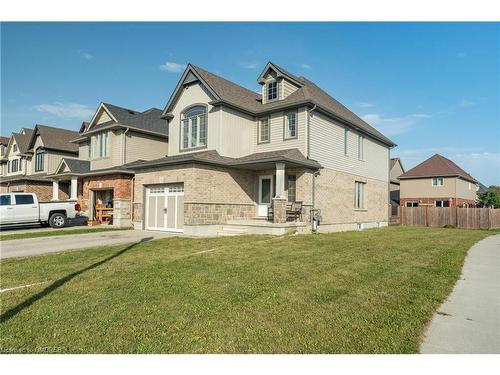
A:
<point x="469" y="321"/>
<point x="46" y="245"/>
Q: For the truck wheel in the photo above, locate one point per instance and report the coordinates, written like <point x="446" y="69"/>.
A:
<point x="57" y="220"/>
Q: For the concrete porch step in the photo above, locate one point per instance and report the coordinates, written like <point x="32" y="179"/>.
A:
<point x="232" y="230"/>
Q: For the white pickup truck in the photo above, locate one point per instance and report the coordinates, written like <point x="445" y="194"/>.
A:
<point x="24" y="208"/>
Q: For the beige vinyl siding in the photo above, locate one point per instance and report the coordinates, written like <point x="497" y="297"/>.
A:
<point x="193" y="94"/>
<point x="142" y="146"/>
<point x="83" y="150"/>
<point x="277" y="128"/>
<point x="114" y="157"/>
<point x="103" y="117"/>
<point x="396" y="171"/>
<point x="15" y="155"/>
<point x="422" y="188"/>
<point x="463" y="191"/>
<point x="327" y="147"/>
<point x="288" y="88"/>
<point x="235" y="133"/>
<point x="53" y="159"/>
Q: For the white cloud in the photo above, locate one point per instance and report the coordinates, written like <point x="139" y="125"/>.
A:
<point x="65" y="110"/>
<point x="364" y="104"/>
<point x="172" y="67"/>
<point x="305" y="66"/>
<point x="394" y="125"/>
<point x="467" y="103"/>
<point x="86" y="55"/>
<point x="249" y="65"/>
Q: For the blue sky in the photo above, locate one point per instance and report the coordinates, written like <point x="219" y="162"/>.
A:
<point x="431" y="87"/>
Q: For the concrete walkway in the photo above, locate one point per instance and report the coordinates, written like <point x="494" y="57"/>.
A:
<point x="469" y="321"/>
<point x="45" y="245"/>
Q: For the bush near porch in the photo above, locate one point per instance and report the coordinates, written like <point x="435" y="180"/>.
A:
<point x="358" y="292"/>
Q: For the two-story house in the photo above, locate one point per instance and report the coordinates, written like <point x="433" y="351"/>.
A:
<point x="31" y="155"/>
<point x="437" y="182"/>
<point x="395" y="170"/>
<point x="235" y="154"/>
<point x="114" y="138"/>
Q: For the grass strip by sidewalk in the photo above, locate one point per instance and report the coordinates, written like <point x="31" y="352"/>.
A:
<point x="57" y="232"/>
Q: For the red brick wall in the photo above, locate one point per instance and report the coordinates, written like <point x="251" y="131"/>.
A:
<point x="121" y="185"/>
<point x="430" y="201"/>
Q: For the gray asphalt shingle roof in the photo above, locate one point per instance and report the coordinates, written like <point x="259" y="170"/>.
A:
<point x="77" y="165"/>
<point x="23" y="140"/>
<point x="56" y="138"/>
<point x="309" y="92"/>
<point x="149" y="120"/>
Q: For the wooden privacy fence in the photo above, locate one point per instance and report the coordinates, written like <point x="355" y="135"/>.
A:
<point x="468" y="218"/>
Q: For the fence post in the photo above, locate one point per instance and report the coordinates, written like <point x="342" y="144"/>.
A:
<point x="456" y="217"/>
<point x="426" y="222"/>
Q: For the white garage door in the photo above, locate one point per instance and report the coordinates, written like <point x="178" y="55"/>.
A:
<point x="165" y="207"/>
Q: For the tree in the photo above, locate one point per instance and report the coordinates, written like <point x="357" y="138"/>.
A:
<point x="491" y="198"/>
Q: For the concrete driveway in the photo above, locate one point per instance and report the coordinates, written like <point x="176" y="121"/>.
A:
<point x="469" y="321"/>
<point x="45" y="245"/>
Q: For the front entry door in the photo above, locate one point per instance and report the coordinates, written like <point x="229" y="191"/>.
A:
<point x="165" y="207"/>
<point x="265" y="194"/>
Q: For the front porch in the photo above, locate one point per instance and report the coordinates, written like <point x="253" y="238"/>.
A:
<point x="262" y="226"/>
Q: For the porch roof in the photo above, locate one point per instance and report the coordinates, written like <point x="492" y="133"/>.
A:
<point x="260" y="160"/>
<point x="35" y="177"/>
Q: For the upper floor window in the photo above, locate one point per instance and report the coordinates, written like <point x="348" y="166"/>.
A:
<point x="361" y="151"/>
<point x="100" y="147"/>
<point x="15" y="166"/>
<point x="14" y="148"/>
<point x="272" y="90"/>
<point x="346" y="137"/>
<point x="39" y="159"/>
<point x="264" y="130"/>
<point x="194" y="127"/>
<point x="359" y="195"/>
<point x="437" y="181"/>
<point x="291" y="125"/>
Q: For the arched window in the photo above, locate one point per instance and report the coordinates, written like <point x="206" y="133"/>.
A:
<point x="39" y="159"/>
<point x="194" y="127"/>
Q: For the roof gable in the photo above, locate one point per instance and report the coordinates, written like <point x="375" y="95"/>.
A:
<point x="437" y="166"/>
<point x="98" y="117"/>
<point x="280" y="73"/>
<point x="53" y="138"/>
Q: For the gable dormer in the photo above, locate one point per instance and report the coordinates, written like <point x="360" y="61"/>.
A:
<point x="277" y="83"/>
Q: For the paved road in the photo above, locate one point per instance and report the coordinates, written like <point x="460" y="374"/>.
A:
<point x="45" y="245"/>
<point x="469" y="321"/>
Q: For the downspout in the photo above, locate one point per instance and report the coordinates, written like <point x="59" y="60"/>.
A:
<point x="308" y="154"/>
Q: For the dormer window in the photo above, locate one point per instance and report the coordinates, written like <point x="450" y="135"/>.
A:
<point x="272" y="90"/>
<point x="194" y="127"/>
<point x="14" y="148"/>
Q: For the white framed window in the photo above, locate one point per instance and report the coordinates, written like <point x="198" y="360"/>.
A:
<point x="291" y="125"/>
<point x="194" y="127"/>
<point x="359" y="195"/>
<point x="39" y="159"/>
<point x="100" y="147"/>
<point x="361" y="151"/>
<point x="437" y="181"/>
<point x="272" y="90"/>
<point x="14" y="148"/>
<point x="411" y="204"/>
<point x="346" y="139"/>
<point x="264" y="130"/>
<point x="442" y="203"/>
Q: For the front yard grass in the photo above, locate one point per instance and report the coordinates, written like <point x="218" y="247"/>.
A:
<point x="57" y="232"/>
<point x="358" y="292"/>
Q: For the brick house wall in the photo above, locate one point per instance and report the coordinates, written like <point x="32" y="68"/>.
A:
<point x="42" y="189"/>
<point x="120" y="183"/>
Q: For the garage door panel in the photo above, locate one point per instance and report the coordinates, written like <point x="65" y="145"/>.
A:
<point x="151" y="212"/>
<point x="160" y="211"/>
<point x="180" y="212"/>
<point x="171" y="212"/>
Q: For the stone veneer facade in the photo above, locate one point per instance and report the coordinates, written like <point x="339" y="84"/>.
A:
<point x="214" y="195"/>
<point x="334" y="195"/>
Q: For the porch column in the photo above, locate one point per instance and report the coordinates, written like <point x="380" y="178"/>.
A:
<point x="74" y="187"/>
<point x="280" y="180"/>
<point x="55" y="190"/>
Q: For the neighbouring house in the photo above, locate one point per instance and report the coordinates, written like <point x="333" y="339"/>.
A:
<point x="114" y="138"/>
<point x="236" y="158"/>
<point x="395" y="170"/>
<point x="437" y="182"/>
<point x="4" y="142"/>
<point x="31" y="155"/>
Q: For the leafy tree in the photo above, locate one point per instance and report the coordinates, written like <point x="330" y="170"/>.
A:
<point x="491" y="198"/>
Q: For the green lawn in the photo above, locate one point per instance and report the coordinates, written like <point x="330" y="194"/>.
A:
<point x="357" y="292"/>
<point x="56" y="232"/>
